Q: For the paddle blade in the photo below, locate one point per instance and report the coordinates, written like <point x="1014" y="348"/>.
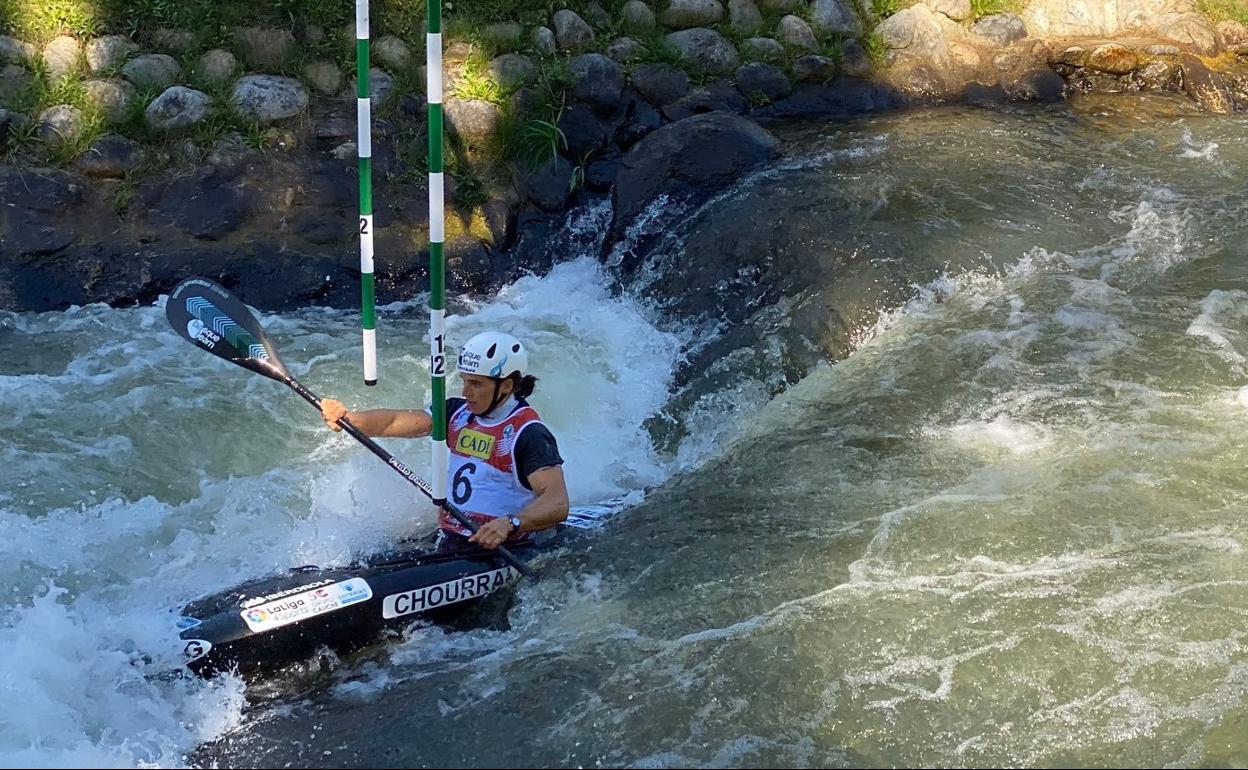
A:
<point x="212" y="318"/>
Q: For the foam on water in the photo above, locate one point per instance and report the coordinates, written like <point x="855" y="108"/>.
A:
<point x="148" y="473"/>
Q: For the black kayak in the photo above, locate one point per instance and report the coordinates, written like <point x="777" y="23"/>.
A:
<point x="272" y="622"/>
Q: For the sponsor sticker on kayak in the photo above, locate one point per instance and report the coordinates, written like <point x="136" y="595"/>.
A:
<point x="300" y="606"/>
<point x="450" y="592"/>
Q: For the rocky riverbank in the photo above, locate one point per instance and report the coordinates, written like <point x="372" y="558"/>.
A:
<point x="239" y="162"/>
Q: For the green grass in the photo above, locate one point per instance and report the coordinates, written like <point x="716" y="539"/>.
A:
<point x="477" y="82"/>
<point x="981" y="8"/>
<point x="875" y="48"/>
<point x="1224" y="10"/>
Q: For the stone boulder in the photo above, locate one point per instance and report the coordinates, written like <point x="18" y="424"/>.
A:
<point x="690" y="157"/>
<point x="705" y="50"/>
<point x="1001" y="28"/>
<point x="637" y="16"/>
<point x="61" y="125"/>
<point x="267" y="98"/>
<point x="572" y="33"/>
<point x="113" y="98"/>
<point x="265" y="48"/>
<point x="1178" y="20"/>
<point x="60" y="57"/>
<point x="152" y="72"/>
<point x="104" y="53"/>
<point x="686" y="14"/>
<point x="178" y="107"/>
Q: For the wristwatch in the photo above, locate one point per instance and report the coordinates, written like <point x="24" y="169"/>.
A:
<point x="515" y="522"/>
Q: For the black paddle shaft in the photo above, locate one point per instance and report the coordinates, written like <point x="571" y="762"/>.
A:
<point x="210" y="317"/>
<point x="403" y="470"/>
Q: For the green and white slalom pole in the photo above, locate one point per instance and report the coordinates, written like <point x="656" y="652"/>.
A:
<point x="437" y="272"/>
<point x="364" y="141"/>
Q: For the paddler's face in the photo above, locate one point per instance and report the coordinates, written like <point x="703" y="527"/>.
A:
<point x="479" y="391"/>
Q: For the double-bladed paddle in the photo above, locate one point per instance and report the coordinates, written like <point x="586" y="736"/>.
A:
<point x="212" y="318"/>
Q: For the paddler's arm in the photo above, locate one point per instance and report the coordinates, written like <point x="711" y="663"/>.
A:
<point x="385" y="423"/>
<point x="549" y="508"/>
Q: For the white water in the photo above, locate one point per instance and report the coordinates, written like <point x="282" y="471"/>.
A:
<point x="139" y="472"/>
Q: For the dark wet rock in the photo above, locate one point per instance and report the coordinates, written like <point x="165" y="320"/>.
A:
<point x="984" y="95"/>
<point x="705" y="50"/>
<point x="110" y="157"/>
<point x="660" y="84"/>
<point x="640" y="118"/>
<point x="840" y="98"/>
<point x="207" y="205"/>
<point x="550" y="184"/>
<point x="1206" y="87"/>
<point x="814" y="68"/>
<point x="47" y="190"/>
<point x="35" y="235"/>
<point x="322" y="227"/>
<point x="469" y="266"/>
<point x="764" y="82"/>
<point x="717" y="96"/>
<point x="688" y="158"/>
<point x="600" y="173"/>
<point x="584" y="131"/>
<point x="598" y="80"/>
<point x="1037" y="85"/>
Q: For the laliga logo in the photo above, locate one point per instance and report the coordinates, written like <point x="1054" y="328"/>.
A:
<point x="196" y="330"/>
<point x="257" y="615"/>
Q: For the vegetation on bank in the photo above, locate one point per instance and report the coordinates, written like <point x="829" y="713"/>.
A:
<point x="325" y="32"/>
<point x="1222" y="10"/>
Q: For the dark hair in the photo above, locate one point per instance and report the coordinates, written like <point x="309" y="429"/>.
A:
<point x="524" y="385"/>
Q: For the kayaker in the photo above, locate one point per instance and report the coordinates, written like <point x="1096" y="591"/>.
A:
<point x="504" y="471"/>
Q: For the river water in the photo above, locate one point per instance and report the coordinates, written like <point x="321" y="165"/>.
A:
<point x="1008" y="529"/>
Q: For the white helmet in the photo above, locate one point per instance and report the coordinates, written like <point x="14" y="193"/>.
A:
<point x="493" y="354"/>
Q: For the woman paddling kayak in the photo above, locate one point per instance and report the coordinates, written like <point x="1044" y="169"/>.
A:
<point x="505" y="471"/>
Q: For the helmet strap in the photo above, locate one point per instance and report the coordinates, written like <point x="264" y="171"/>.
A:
<point x="498" y="397"/>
